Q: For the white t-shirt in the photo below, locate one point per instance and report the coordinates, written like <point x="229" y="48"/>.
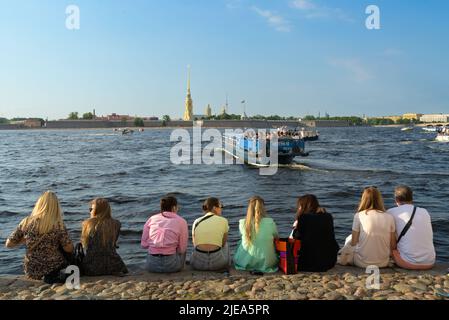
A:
<point x="374" y="246"/>
<point x="416" y="246"/>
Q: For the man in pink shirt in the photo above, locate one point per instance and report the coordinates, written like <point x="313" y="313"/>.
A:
<point x="165" y="236"/>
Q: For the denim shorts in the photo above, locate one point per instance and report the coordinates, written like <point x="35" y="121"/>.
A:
<point x="165" y="264"/>
<point x="216" y="261"/>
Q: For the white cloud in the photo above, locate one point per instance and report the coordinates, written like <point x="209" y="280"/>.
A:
<point x="274" y="20"/>
<point x="354" y="67"/>
<point x="312" y="10"/>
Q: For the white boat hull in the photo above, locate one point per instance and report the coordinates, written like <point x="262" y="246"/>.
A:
<point x="442" y="138"/>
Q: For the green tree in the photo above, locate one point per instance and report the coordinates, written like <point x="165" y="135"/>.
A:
<point x="309" y="117"/>
<point x="4" y="120"/>
<point x="73" y="116"/>
<point x="166" y="118"/>
<point x="88" y="116"/>
<point x="138" y="122"/>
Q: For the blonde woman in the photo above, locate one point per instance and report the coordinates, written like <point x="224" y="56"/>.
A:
<point x="99" y="238"/>
<point x="256" y="251"/>
<point x="45" y="236"/>
<point x="373" y="231"/>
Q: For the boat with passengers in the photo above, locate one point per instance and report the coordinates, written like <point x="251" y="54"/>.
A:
<point x="255" y="149"/>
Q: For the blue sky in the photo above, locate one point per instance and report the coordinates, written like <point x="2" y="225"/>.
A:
<point x="287" y="57"/>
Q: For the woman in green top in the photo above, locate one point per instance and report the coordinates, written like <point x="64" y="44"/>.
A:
<point x="256" y="251"/>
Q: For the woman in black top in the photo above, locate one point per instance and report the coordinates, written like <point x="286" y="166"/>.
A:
<point x="315" y="228"/>
<point x="99" y="238"/>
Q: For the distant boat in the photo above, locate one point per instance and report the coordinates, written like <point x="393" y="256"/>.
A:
<point x="407" y="129"/>
<point x="127" y="131"/>
<point x="430" y="128"/>
<point x="442" y="137"/>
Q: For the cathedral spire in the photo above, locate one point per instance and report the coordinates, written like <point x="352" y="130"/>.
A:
<point x="188" y="80"/>
<point x="188" y="112"/>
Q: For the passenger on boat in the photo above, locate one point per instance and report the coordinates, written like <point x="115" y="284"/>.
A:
<point x="209" y="235"/>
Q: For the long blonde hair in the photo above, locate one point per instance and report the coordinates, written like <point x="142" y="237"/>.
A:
<point x="46" y="215"/>
<point x="371" y="200"/>
<point x="102" y="222"/>
<point x="256" y="212"/>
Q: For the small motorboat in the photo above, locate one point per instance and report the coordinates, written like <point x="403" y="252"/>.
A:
<point x="127" y="131"/>
<point x="430" y="128"/>
<point x="442" y="137"/>
<point x="405" y="129"/>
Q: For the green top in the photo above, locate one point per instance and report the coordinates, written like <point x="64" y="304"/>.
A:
<point x="261" y="255"/>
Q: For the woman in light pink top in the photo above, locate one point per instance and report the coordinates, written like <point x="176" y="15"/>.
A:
<point x="373" y="231"/>
<point x="165" y="236"/>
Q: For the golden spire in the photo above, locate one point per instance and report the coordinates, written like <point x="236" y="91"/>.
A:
<point x="188" y="112"/>
<point x="188" y="80"/>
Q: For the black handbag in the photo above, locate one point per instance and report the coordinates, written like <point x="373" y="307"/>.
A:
<point x="78" y="256"/>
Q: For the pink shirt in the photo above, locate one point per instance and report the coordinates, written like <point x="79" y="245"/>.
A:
<point x="166" y="234"/>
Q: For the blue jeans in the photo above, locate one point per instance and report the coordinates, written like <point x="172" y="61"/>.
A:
<point x="165" y="264"/>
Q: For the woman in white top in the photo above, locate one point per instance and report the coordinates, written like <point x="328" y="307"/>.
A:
<point x="373" y="231"/>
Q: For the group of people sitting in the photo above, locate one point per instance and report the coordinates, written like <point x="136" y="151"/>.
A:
<point x="402" y="234"/>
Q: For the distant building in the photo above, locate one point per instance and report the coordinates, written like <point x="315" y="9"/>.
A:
<point x="392" y="118"/>
<point x="412" y="116"/>
<point x="33" y="123"/>
<point x="188" y="112"/>
<point x="429" y="118"/>
<point x="208" y="111"/>
<point x="223" y="110"/>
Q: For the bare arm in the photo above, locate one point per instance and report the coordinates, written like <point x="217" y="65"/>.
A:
<point x="355" y="238"/>
<point x="393" y="241"/>
<point x="225" y="239"/>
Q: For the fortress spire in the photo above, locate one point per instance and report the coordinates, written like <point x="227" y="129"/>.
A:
<point x="188" y="112"/>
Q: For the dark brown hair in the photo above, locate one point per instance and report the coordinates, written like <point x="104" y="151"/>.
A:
<point x="308" y="204"/>
<point x="101" y="222"/>
<point x="167" y="203"/>
<point x="403" y="194"/>
<point x="210" y="203"/>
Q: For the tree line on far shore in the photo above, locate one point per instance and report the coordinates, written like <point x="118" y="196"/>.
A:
<point x="139" y="122"/>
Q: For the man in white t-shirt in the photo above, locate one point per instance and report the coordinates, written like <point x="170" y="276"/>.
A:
<point x="415" y="250"/>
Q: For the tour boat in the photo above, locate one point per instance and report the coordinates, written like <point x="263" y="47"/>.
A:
<point x="253" y="151"/>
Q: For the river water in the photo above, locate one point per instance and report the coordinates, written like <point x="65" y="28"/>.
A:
<point x="134" y="172"/>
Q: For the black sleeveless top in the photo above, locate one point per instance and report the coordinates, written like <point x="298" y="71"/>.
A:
<point x="318" y="245"/>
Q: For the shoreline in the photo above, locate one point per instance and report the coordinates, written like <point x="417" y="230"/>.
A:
<point x="339" y="283"/>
